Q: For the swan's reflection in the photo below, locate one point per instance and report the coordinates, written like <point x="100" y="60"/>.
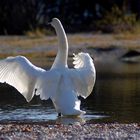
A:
<point x="71" y="120"/>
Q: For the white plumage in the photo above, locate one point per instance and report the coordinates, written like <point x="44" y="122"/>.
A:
<point x="61" y="84"/>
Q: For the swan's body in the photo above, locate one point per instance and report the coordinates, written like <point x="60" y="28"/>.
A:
<point x="61" y="84"/>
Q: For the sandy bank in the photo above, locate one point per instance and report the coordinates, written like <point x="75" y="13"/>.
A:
<point x="75" y="131"/>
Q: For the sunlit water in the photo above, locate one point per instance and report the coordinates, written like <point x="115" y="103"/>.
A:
<point x="115" y="98"/>
<point x="40" y="113"/>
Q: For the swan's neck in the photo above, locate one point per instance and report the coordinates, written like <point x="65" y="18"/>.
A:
<point x="62" y="54"/>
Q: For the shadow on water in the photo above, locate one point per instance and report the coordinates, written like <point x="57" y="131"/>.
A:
<point x="115" y="98"/>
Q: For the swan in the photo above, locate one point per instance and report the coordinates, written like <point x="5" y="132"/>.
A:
<point x="61" y="84"/>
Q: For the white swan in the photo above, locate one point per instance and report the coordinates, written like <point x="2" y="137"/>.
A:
<point x="61" y="84"/>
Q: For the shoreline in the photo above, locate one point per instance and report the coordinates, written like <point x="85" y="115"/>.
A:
<point x="71" y="131"/>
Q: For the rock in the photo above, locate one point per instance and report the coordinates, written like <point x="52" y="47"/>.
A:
<point x="132" y="56"/>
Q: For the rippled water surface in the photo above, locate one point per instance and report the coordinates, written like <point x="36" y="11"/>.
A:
<point x="115" y="98"/>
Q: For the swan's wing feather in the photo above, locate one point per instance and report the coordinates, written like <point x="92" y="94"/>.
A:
<point x="47" y="84"/>
<point x="21" y="74"/>
<point x="83" y="76"/>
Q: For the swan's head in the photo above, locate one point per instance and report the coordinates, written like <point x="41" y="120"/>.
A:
<point x="55" y="22"/>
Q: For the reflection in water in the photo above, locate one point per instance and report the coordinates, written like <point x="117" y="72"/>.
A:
<point x="116" y="97"/>
<point x="118" y="94"/>
<point x="33" y="114"/>
<point x="40" y="114"/>
<point x="70" y="120"/>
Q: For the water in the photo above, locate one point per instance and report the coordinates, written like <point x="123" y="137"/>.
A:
<point x="118" y="98"/>
<point x="115" y="98"/>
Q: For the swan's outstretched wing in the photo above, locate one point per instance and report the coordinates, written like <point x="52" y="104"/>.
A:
<point x="21" y="74"/>
<point x="83" y="76"/>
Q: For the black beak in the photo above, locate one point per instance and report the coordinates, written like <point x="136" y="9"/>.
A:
<point x="92" y="58"/>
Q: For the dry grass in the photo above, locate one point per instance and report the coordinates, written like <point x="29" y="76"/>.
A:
<point x="127" y="36"/>
<point x="28" y="46"/>
<point x="17" y="41"/>
<point x="39" y="32"/>
<point x="103" y="39"/>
